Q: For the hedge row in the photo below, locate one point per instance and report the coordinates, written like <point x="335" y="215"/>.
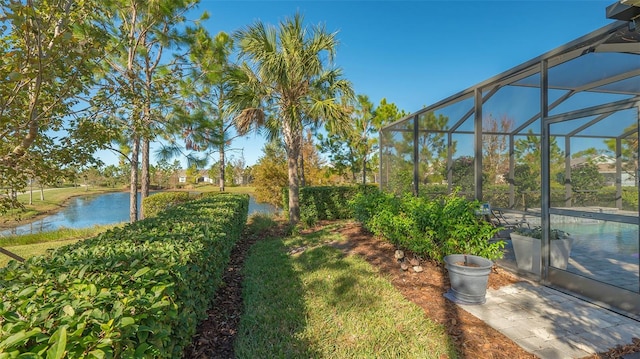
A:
<point x="159" y="202"/>
<point x="325" y="202"/>
<point x="132" y="292"/>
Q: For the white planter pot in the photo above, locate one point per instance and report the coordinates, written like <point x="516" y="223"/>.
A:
<point x="528" y="252"/>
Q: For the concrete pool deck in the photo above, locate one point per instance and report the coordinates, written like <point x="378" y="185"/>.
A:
<point x="551" y="324"/>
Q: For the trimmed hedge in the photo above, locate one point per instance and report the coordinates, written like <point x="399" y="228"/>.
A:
<point x="159" y="202"/>
<point x="325" y="202"/>
<point x="132" y="292"/>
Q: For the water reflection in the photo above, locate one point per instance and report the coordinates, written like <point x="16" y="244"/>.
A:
<point x="612" y="237"/>
<point x="87" y="211"/>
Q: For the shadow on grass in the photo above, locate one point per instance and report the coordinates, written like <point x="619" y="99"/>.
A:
<point x="274" y="310"/>
<point x="321" y="302"/>
<point x="346" y="290"/>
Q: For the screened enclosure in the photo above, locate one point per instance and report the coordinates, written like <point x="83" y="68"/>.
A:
<point x="552" y="142"/>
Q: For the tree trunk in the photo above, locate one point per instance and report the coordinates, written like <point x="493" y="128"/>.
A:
<point x="222" y="164"/>
<point x="364" y="171"/>
<point x="11" y="254"/>
<point x="133" y="189"/>
<point x="293" y="141"/>
<point x="30" y="192"/>
<point x="294" y="189"/>
<point x="221" y="111"/>
<point x="144" y="176"/>
<point x="41" y="192"/>
<point x="132" y="48"/>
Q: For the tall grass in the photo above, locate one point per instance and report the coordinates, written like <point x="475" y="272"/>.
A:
<point x="319" y="303"/>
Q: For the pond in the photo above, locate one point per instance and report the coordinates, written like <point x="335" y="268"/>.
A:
<point x="87" y="211"/>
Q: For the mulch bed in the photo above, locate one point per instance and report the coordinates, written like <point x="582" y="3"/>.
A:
<point x="216" y="334"/>
<point x="471" y="336"/>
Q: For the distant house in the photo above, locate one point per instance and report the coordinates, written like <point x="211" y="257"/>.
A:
<point x="607" y="168"/>
<point x="203" y="177"/>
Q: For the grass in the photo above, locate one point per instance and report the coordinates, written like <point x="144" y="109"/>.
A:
<point x="260" y="222"/>
<point x="52" y="236"/>
<point x="30" y="250"/>
<point x="321" y="304"/>
<point x="55" y="196"/>
<point x="30" y="245"/>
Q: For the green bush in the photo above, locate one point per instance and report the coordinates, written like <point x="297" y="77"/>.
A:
<point x="496" y="194"/>
<point x="325" y="202"/>
<point x="366" y="204"/>
<point x="630" y="198"/>
<point x="132" y="292"/>
<point x="432" y="190"/>
<point x="159" y="202"/>
<point x="433" y="228"/>
<point x="603" y="197"/>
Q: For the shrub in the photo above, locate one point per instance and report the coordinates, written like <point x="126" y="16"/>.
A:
<point x="461" y="230"/>
<point x="137" y="291"/>
<point x="433" y="228"/>
<point x="365" y="205"/>
<point x="536" y="232"/>
<point x="158" y="202"/>
<point x="325" y="202"/>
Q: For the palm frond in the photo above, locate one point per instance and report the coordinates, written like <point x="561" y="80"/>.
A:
<point x="287" y="82"/>
<point x="249" y="119"/>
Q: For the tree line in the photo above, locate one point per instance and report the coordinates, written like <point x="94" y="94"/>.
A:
<point x="81" y="76"/>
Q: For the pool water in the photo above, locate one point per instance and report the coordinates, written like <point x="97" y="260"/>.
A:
<point x="612" y="237"/>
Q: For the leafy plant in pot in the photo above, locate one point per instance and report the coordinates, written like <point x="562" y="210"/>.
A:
<point x="527" y="245"/>
<point x="469" y="253"/>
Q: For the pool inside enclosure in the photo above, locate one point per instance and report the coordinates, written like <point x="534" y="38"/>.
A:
<point x="553" y="141"/>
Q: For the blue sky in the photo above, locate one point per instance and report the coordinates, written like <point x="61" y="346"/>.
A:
<point x="414" y="53"/>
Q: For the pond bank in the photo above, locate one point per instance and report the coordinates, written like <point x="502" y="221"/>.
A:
<point x="51" y="208"/>
<point x="86" y="210"/>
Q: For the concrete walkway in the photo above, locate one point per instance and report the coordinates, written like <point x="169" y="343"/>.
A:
<point x="551" y="324"/>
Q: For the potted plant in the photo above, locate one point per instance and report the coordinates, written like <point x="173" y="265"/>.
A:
<point x="468" y="248"/>
<point x="527" y="245"/>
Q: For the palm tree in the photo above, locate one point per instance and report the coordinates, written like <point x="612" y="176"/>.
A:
<point x="287" y="77"/>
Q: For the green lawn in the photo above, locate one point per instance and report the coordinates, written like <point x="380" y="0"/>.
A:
<point x="29" y="245"/>
<point x="30" y="250"/>
<point x="319" y="303"/>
